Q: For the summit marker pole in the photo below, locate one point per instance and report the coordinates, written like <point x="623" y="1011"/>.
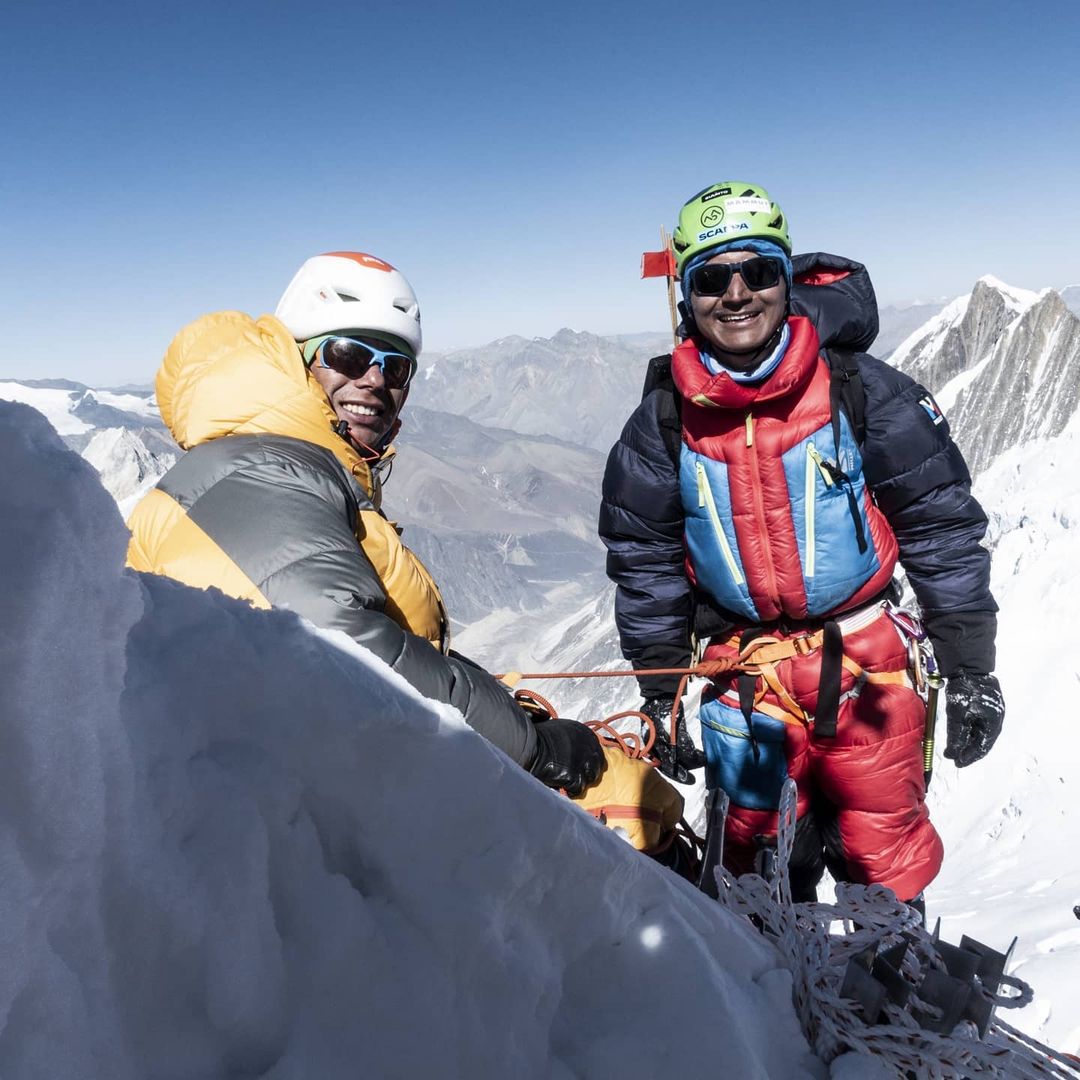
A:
<point x="673" y="311"/>
<point x="662" y="264"/>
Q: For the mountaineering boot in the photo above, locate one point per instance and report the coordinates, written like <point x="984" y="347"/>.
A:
<point x="676" y="762"/>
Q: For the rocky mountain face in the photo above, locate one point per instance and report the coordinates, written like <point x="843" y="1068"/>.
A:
<point x="963" y="332"/>
<point x="1004" y="364"/>
<point x="128" y="467"/>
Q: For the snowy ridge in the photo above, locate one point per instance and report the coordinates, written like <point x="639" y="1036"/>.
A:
<point x="56" y="405"/>
<point x="1019" y="299"/>
<point x="929" y="336"/>
<point x="232" y="846"/>
<point x="131" y="403"/>
<point x="1004" y="362"/>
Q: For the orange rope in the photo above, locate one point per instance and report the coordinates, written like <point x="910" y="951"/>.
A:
<point x="707" y="669"/>
<point x="631" y="745"/>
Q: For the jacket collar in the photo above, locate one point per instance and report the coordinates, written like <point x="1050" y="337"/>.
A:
<point x="697" y="385"/>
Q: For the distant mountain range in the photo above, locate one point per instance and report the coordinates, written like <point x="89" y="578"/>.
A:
<point x="502" y="451"/>
<point x="574" y="386"/>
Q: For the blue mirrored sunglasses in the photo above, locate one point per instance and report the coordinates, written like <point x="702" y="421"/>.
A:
<point x="353" y="358"/>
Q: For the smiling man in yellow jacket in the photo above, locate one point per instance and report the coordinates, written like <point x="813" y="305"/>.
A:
<point x="286" y="420"/>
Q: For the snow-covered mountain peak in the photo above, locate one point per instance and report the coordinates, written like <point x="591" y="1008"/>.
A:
<point x="1005" y="363"/>
<point x="1018" y="299"/>
<point x="966" y="330"/>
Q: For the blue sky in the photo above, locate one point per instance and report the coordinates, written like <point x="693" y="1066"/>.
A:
<point x="165" y="160"/>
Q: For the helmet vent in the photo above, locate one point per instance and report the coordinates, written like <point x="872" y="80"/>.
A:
<point x="346" y="296"/>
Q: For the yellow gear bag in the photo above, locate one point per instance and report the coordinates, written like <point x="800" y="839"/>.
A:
<point x="634" y="799"/>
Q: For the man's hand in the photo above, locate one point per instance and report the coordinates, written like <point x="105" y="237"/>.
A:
<point x="676" y="761"/>
<point x="974" y="712"/>
<point x="568" y="755"/>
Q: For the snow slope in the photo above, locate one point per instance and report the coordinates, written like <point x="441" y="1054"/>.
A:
<point x="1010" y="823"/>
<point x="232" y="846"/>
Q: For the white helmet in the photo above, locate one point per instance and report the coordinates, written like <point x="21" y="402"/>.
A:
<point x="348" y="290"/>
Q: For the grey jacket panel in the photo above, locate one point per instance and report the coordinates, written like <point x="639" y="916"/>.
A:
<point x="284" y="511"/>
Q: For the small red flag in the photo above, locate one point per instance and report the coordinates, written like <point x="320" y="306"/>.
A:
<point x="658" y="263"/>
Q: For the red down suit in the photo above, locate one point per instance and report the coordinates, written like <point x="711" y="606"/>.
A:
<point x="775" y="536"/>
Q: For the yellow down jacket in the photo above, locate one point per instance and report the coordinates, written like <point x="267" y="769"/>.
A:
<point x="272" y="506"/>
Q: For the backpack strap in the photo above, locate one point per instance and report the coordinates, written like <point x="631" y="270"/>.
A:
<point x="846" y="392"/>
<point x="657" y="374"/>
<point x="658" y="377"/>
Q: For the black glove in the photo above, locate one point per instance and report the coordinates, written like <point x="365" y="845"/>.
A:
<point x="568" y="755"/>
<point x="974" y="711"/>
<point x="676" y="761"/>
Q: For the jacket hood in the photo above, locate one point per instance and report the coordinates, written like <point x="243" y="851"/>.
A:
<point x="837" y="296"/>
<point x="229" y="374"/>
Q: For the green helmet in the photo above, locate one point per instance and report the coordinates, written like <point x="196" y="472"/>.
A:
<point x="730" y="210"/>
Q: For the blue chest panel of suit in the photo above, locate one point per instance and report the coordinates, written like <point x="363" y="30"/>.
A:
<point x="822" y="503"/>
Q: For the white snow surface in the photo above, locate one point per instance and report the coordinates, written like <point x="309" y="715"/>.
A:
<point x="234" y="846"/>
<point x="55" y="404"/>
<point x="139" y="404"/>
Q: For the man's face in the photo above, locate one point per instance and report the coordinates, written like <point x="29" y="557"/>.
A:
<point x="739" y="324"/>
<point x="366" y="404"/>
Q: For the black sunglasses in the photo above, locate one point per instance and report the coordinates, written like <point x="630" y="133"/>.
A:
<point x="761" y="272"/>
<point x="353" y="358"/>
